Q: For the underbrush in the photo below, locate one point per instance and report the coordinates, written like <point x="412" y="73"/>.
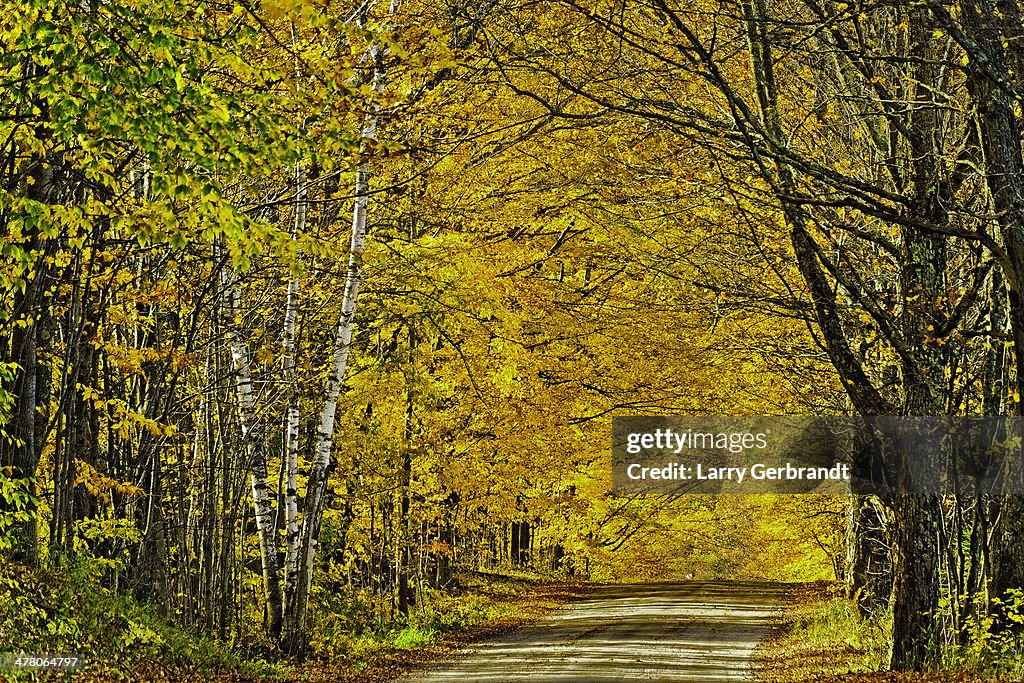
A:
<point x="355" y="626"/>
<point x="822" y="638"/>
<point x="69" y="611"/>
<point x="994" y="643"/>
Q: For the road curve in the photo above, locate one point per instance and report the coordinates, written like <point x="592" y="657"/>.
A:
<point x="692" y="631"/>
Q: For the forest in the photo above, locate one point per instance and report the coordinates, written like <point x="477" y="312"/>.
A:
<point x="316" y="313"/>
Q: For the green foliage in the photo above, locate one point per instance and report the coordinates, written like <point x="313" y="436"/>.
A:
<point x="7" y="374"/>
<point x="412" y="636"/>
<point x="17" y="506"/>
<point x="994" y="643"/>
<point x="70" y="610"/>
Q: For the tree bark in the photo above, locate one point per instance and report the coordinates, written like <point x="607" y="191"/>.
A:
<point x="993" y="37"/>
<point x="870" y="572"/>
<point x="291" y="434"/>
<point x="294" y="634"/>
<point x="255" y="455"/>
<point x="23" y="443"/>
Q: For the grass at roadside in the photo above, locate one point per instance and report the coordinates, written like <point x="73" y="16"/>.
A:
<point x="821" y="639"/>
<point x="489" y="605"/>
<point x="818" y="636"/>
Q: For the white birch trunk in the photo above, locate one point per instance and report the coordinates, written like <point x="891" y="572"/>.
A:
<point x="291" y="434"/>
<point x="294" y="636"/>
<point x="255" y="455"/>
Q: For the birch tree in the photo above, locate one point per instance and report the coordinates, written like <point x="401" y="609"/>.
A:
<point x="255" y="456"/>
<point x="294" y="635"/>
<point x="292" y="414"/>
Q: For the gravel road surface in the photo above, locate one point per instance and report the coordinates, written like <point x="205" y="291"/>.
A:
<point x="690" y="631"/>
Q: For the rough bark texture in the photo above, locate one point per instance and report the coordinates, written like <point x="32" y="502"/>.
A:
<point x="870" y="576"/>
<point x="1007" y="551"/>
<point x="993" y="38"/>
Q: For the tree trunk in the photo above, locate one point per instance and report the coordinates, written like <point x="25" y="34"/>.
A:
<point x="294" y="635"/>
<point x="994" y="29"/>
<point x="256" y="457"/>
<point x="22" y="444"/>
<point x="291" y="432"/>
<point x="316" y="487"/>
<point x="403" y="553"/>
<point x="1008" y="544"/>
<point x="870" y="576"/>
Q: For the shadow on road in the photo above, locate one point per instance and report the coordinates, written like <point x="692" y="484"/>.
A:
<point x="692" y="631"/>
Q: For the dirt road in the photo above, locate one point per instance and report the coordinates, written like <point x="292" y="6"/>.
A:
<point x="691" y="631"/>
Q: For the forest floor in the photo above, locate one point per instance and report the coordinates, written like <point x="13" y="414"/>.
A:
<point x="122" y="641"/>
<point x="816" y="639"/>
<point x="522" y="609"/>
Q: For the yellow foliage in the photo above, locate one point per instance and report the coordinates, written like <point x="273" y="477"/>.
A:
<point x="99" y="485"/>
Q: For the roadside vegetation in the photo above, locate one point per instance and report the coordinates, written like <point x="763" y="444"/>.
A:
<point x="821" y="637"/>
<point x="70" y="611"/>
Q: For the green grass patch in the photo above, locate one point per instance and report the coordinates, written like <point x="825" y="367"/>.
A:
<point x="835" y="635"/>
<point x="839" y="625"/>
<point x="823" y="635"/>
<point x="413" y="636"/>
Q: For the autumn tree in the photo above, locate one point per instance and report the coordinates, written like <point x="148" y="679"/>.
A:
<point x="873" y="183"/>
